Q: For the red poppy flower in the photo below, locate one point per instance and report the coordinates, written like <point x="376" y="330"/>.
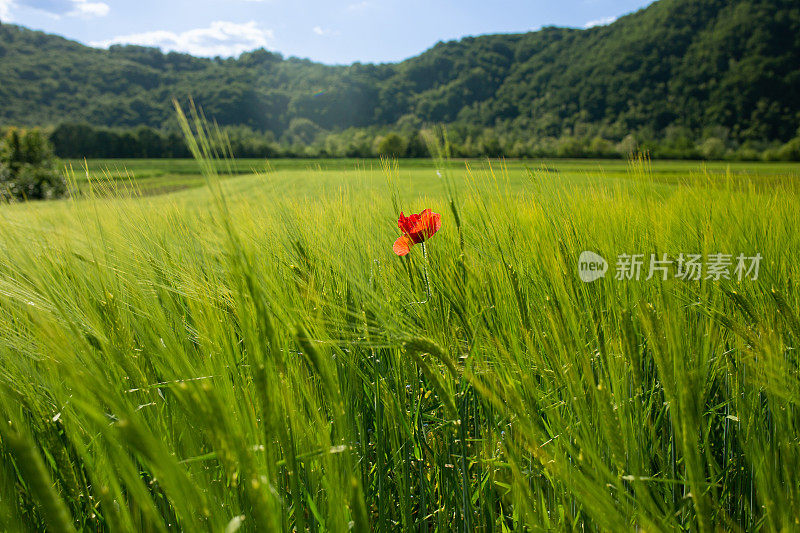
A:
<point x="416" y="229"/>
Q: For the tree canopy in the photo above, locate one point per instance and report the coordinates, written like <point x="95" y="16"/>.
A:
<point x="727" y="69"/>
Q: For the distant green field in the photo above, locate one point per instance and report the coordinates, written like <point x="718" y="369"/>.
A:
<point x="248" y="353"/>
<point x="158" y="176"/>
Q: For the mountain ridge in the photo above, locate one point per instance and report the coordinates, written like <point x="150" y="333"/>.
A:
<point x="676" y="64"/>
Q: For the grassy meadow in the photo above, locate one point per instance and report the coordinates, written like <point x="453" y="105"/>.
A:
<point x="304" y="176"/>
<point x="246" y="353"/>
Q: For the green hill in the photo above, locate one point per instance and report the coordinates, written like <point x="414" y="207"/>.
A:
<point x="692" y="66"/>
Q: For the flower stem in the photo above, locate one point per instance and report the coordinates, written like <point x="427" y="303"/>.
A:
<point x="425" y="270"/>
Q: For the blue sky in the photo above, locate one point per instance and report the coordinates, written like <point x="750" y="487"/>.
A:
<point x="331" y="31"/>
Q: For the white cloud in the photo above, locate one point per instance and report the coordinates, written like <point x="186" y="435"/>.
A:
<point x="84" y="8"/>
<point x="5" y="10"/>
<point x="358" y="6"/>
<point x="220" y="39"/>
<point x="323" y="32"/>
<point x="56" y="9"/>
<point x="605" y="21"/>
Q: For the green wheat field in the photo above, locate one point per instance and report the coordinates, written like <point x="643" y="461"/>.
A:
<point x="239" y="349"/>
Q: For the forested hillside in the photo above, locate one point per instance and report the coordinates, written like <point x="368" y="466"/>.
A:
<point x="680" y="71"/>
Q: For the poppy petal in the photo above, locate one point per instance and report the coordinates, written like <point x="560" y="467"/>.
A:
<point x="402" y="245"/>
<point x="431" y="222"/>
<point x="408" y="224"/>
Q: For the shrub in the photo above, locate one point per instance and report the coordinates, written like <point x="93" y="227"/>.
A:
<point x="789" y="151"/>
<point x="36" y="183"/>
<point x="628" y="146"/>
<point x="302" y="131"/>
<point x="28" y="167"/>
<point x="712" y="148"/>
<point x="746" y="153"/>
<point x="600" y="147"/>
<point x="392" y="145"/>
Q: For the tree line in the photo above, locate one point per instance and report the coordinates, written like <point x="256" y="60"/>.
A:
<point x="303" y="138"/>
